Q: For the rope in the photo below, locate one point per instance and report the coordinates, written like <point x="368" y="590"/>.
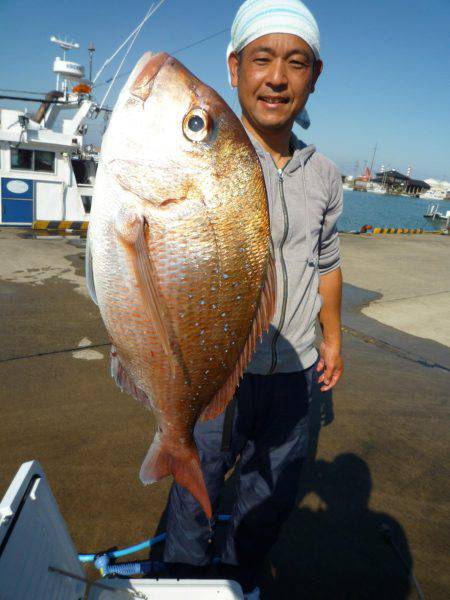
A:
<point x="84" y="558"/>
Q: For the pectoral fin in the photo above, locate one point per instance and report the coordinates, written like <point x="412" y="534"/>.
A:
<point x="131" y="228"/>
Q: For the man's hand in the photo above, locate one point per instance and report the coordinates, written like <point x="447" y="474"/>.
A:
<point x="330" y="366"/>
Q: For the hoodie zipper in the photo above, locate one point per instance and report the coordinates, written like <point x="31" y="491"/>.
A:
<point x="283" y="272"/>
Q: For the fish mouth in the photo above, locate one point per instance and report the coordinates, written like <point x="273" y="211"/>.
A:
<point x="143" y="84"/>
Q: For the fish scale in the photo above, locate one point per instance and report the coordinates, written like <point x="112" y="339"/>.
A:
<point x="179" y="247"/>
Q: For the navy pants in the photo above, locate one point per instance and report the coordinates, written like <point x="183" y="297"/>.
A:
<point x="270" y="434"/>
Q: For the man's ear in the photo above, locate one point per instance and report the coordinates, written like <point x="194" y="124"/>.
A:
<point x="233" y="65"/>
<point x="318" y="67"/>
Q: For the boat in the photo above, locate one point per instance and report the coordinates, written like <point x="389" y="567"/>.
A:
<point x="433" y="194"/>
<point x="48" y="173"/>
<point x="377" y="189"/>
<point x="434" y="214"/>
<point x="439" y="190"/>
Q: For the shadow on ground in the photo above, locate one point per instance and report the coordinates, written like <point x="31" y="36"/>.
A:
<point x="333" y="545"/>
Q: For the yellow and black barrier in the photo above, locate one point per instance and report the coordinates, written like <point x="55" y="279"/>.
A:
<point x="368" y="229"/>
<point x="80" y="226"/>
<point x="391" y="230"/>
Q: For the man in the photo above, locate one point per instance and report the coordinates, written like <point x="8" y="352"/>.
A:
<point x="274" y="63"/>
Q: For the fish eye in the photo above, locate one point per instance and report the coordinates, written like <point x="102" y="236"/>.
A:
<point x="197" y="125"/>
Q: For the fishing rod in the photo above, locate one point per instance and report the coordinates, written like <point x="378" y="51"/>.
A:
<point x="22" y="92"/>
<point x="24" y="99"/>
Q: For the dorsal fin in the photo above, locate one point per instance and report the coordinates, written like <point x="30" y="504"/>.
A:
<point x="261" y="323"/>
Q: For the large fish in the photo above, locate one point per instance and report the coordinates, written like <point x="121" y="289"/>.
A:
<point x="179" y="256"/>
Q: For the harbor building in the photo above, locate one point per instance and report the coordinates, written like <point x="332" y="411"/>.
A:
<point x="394" y="182"/>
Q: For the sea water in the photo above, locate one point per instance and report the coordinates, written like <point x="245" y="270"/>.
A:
<point x="379" y="210"/>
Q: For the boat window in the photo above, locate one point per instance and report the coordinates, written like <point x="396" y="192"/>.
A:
<point x="32" y="160"/>
<point x="44" y="161"/>
<point x="84" y="171"/>
<point x="87" y="201"/>
<point x="21" y="159"/>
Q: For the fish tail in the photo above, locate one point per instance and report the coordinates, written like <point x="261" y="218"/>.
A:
<point x="185" y="468"/>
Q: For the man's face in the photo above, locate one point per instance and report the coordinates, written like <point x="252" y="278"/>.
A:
<point x="274" y="75"/>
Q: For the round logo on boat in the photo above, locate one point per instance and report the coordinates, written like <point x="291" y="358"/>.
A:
<point x="17" y="187"/>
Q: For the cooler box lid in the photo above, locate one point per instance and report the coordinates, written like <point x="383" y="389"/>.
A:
<point x="38" y="559"/>
<point x="34" y="537"/>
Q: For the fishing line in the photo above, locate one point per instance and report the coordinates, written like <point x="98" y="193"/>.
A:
<point x="386" y="534"/>
<point x="52" y="352"/>
<point x="173" y="52"/>
<point x="133" y="33"/>
<point x="205" y="39"/>
<point x="152" y="10"/>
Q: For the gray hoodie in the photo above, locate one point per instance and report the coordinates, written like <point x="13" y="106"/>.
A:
<point x="305" y="201"/>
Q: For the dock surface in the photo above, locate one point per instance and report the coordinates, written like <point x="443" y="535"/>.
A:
<point x="377" y="479"/>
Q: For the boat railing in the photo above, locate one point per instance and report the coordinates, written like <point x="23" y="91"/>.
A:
<point x="432" y="210"/>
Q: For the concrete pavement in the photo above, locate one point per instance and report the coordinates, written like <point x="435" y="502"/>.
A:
<point x="412" y="276"/>
<point x="380" y="447"/>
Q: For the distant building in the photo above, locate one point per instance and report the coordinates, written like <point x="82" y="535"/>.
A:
<point x="398" y="183"/>
<point x="415" y="187"/>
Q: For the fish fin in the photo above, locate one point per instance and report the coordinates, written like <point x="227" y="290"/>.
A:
<point x="185" y="468"/>
<point x="89" y="273"/>
<point x="124" y="382"/>
<point x="131" y="227"/>
<point x="261" y="323"/>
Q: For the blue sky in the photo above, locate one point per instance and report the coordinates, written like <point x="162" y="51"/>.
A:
<point x="386" y="78"/>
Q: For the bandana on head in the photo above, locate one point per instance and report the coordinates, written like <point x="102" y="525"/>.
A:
<point x="256" y="18"/>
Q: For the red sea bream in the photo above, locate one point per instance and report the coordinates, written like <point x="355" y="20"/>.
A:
<point x="179" y="256"/>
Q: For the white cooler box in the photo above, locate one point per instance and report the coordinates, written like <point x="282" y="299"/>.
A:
<point x="38" y="560"/>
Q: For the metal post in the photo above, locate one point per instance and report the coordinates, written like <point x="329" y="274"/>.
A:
<point x="91" y="50"/>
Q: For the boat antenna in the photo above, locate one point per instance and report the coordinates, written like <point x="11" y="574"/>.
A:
<point x="373" y="158"/>
<point x="91" y="50"/>
<point x="132" y="38"/>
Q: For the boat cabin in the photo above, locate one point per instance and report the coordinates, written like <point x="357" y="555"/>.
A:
<point x="41" y="176"/>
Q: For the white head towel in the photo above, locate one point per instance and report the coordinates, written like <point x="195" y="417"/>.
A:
<point x="256" y="18"/>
